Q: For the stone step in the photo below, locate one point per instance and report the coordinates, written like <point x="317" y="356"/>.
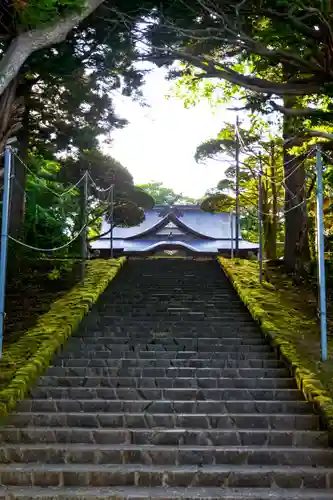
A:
<point x="167" y="390"/>
<point x="227" y="476"/>
<point x="160" y="362"/>
<point x="162" y="353"/>
<point x="187" y="493"/>
<point x="168" y="328"/>
<point x="242" y="319"/>
<point x="120" y="300"/>
<point x="138" y="406"/>
<point x="162" y="382"/>
<point x="171" y="373"/>
<point x="226" y="318"/>
<point x="170" y="304"/>
<point x="171" y="311"/>
<point x="159" y="455"/>
<point x="270" y="361"/>
<point x="298" y="423"/>
<point x="167" y="437"/>
<point x="163" y="333"/>
<point x="173" y="394"/>
<point x="140" y="342"/>
<point x="171" y="351"/>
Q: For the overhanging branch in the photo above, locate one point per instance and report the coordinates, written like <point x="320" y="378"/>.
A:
<point x="26" y="43"/>
<point x="215" y="69"/>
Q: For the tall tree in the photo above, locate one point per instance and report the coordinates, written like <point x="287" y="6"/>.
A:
<point x="62" y="97"/>
<point x="164" y="195"/>
<point x="255" y="148"/>
<point x="279" y="53"/>
<point x="53" y="204"/>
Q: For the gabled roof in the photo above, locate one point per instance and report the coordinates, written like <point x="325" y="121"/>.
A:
<point x="189" y="217"/>
<point x="208" y="246"/>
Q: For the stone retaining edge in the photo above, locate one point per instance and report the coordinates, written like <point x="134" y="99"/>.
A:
<point x="53" y="328"/>
<point x="306" y="380"/>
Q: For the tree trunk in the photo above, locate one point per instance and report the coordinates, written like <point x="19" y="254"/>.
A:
<point x="17" y="204"/>
<point x="11" y="109"/>
<point x="269" y="240"/>
<point x="296" y="249"/>
<point x="274" y="222"/>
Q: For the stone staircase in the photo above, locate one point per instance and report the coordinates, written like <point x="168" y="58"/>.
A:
<point x="168" y="391"/>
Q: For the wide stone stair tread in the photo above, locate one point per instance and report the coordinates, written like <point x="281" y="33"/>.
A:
<point x="175" y="347"/>
<point x="212" y="350"/>
<point x="168" y="390"/>
<point x="298" y="423"/>
<point x="203" y="373"/>
<point x="174" y="394"/>
<point x="188" y="493"/>
<point x="234" y="476"/>
<point x="162" y="382"/>
<point x="165" y="406"/>
<point x="213" y="362"/>
<point x="127" y="454"/>
<point x="165" y="437"/>
<point x="228" y="366"/>
<point x="163" y="354"/>
<point x="143" y="342"/>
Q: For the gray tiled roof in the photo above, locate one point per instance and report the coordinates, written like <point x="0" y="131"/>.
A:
<point x="214" y="229"/>
<point x="205" y="246"/>
<point x="215" y="226"/>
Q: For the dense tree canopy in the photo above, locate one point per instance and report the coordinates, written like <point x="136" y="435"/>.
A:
<point x="163" y="195"/>
<point x="276" y="56"/>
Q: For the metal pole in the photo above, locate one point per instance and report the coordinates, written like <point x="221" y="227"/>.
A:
<point x="232" y="233"/>
<point x="237" y="186"/>
<point x="84" y="248"/>
<point x="111" y="220"/>
<point x="260" y="220"/>
<point x="4" y="239"/>
<point x="321" y="255"/>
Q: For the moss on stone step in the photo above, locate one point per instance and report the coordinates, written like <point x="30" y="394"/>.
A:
<point x="293" y="331"/>
<point x="24" y="361"/>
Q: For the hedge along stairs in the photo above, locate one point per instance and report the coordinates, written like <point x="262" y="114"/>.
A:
<point x="168" y="390"/>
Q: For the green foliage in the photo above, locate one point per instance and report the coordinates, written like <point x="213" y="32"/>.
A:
<point x="54" y="274"/>
<point x="53" y="208"/>
<point x="50" y="215"/>
<point x="218" y="203"/>
<point x="163" y="195"/>
<point x="35" y="13"/>
<point x="24" y="361"/>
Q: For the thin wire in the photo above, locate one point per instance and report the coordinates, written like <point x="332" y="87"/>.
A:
<point x="98" y="188"/>
<point x="60" y="195"/>
<point x="49" y="249"/>
<point x="282" y="214"/>
<point x="328" y="157"/>
<point x="284" y="163"/>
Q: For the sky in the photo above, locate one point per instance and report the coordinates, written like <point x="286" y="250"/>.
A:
<point x="160" y="140"/>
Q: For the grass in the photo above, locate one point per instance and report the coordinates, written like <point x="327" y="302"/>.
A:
<point x="288" y="315"/>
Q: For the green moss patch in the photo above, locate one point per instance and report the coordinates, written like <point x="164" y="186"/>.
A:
<point x="287" y="317"/>
<point x="24" y="361"/>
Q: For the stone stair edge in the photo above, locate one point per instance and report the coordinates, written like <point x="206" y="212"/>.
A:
<point x="185" y="493"/>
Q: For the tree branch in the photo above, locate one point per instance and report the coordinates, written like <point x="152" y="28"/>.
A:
<point x="214" y="69"/>
<point x="299" y="111"/>
<point x="26" y="43"/>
